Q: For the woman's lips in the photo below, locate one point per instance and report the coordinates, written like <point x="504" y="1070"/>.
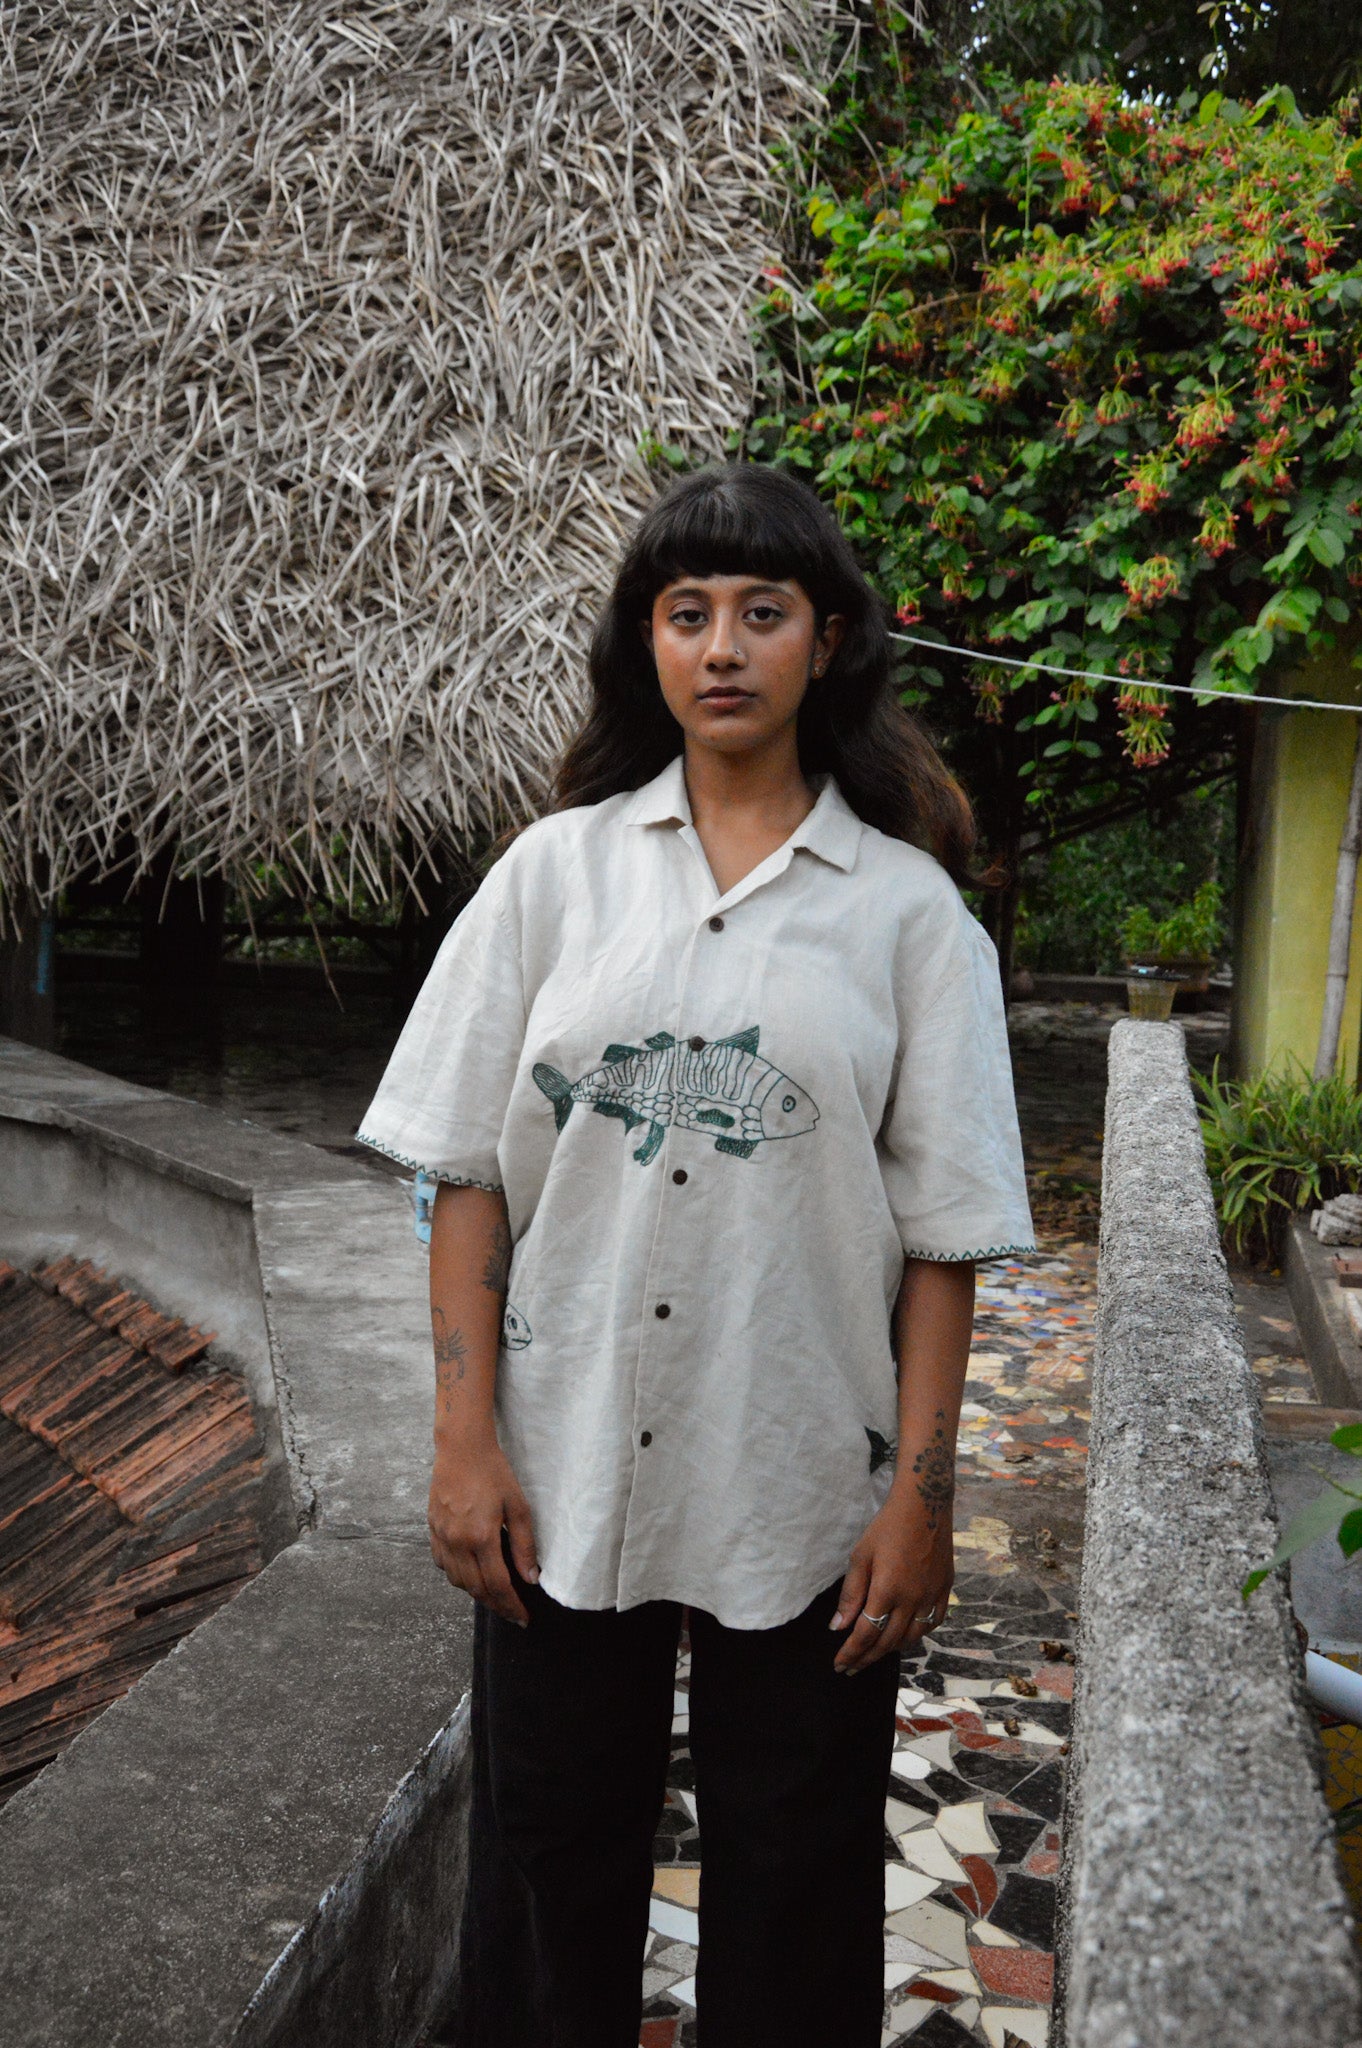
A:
<point x="733" y="696"/>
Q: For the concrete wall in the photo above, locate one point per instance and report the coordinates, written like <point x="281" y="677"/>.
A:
<point x="1302" y="765"/>
<point x="263" y="1842"/>
<point x="1201" y="1897"/>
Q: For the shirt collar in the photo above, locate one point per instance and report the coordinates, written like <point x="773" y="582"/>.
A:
<point x="831" y="830"/>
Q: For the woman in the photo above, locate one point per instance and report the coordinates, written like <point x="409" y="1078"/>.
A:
<point x="714" y="1075"/>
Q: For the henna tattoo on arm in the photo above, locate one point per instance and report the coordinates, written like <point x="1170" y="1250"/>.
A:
<point x="934" y="1471"/>
<point x="451" y="1352"/>
<point x="497" y="1271"/>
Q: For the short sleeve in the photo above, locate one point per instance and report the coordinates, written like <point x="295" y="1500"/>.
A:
<point x="949" y="1148"/>
<point x="443" y="1098"/>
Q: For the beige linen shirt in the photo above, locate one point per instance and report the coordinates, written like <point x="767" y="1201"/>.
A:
<point x="720" y="1121"/>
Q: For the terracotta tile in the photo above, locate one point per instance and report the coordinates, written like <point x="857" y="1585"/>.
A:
<point x="658" y="2034"/>
<point x="181" y="1348"/>
<point x="109" y="1313"/>
<point x="1057" y="1679"/>
<point x="83" y="1283"/>
<point x="923" y="1987"/>
<point x="1025" y="1973"/>
<point x="1042" y="1863"/>
<point x="95" y="1436"/>
<point x="985" y="1881"/>
<point x="35" y="1331"/>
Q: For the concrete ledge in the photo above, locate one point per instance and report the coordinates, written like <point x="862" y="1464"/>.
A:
<point x="204" y="1851"/>
<point x="262" y="1842"/>
<point x="1201" y="1896"/>
<point x="345" y="1300"/>
<point x="1328" y="1335"/>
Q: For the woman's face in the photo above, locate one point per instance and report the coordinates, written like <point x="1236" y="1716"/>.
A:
<point x="735" y="655"/>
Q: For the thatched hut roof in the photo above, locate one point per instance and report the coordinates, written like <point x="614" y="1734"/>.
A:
<point x="328" y="336"/>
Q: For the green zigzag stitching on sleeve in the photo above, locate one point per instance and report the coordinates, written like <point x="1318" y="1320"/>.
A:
<point x="451" y="1180"/>
<point x="979" y="1258"/>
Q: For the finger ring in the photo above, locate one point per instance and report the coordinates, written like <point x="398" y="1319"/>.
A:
<point x="876" y="1620"/>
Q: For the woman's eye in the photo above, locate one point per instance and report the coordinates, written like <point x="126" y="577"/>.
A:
<point x="689" y="615"/>
<point x="765" y="613"/>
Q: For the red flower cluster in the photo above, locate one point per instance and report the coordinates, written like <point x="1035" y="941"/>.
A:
<point x="1264" y="312"/>
<point x="1150" y="480"/>
<point x="1216" y="537"/>
<point x="1205" y="423"/>
<point x="1149" y="583"/>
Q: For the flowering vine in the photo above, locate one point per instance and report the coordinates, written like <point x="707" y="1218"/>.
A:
<point x="1082" y="378"/>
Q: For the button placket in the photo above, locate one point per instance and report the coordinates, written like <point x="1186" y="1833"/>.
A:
<point x="654" y="1281"/>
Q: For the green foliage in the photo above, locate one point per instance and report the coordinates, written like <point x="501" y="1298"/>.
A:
<point x="1081" y="378"/>
<point x="1274" y="1145"/>
<point x="1193" y="931"/>
<point x="1246" y="46"/>
<point x="1242" y="46"/>
<point x="1329" y="1515"/>
<point x="1075" y="898"/>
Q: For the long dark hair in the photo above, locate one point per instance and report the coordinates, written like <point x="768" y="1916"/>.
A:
<point x="747" y="519"/>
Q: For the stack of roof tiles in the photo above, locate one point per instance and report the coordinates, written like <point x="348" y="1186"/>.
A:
<point x="130" y="1484"/>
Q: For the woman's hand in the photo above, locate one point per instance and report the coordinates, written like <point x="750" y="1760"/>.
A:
<point x="903" y="1567"/>
<point x="474" y="1495"/>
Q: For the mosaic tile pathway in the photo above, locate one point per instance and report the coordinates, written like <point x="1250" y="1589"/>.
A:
<point x="972" y="1824"/>
<point x="1026" y="1409"/>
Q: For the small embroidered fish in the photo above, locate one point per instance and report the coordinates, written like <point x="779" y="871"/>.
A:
<point x="515" y="1330"/>
<point x="882" y="1452"/>
<point x="720" y="1087"/>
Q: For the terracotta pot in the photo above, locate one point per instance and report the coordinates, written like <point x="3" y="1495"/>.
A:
<point x="1151" y="997"/>
<point x="1192" y="975"/>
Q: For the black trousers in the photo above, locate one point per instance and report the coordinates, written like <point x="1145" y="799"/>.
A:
<point x="571" y="1736"/>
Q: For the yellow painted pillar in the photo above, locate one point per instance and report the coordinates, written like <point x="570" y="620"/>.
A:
<point x="1302" y="767"/>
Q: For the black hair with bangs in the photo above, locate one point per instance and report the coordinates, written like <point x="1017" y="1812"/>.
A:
<point x="745" y="519"/>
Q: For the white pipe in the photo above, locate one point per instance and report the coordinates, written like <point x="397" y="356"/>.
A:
<point x="1334" y="1687"/>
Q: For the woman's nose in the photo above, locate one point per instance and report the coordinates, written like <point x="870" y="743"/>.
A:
<point x="724" y="650"/>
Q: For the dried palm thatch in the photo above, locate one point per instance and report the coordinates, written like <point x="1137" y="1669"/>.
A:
<point x="329" y="333"/>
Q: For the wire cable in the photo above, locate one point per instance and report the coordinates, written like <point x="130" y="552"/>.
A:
<point x="1097" y="675"/>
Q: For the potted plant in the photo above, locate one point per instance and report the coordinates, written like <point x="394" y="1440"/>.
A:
<point x="1178" y="951"/>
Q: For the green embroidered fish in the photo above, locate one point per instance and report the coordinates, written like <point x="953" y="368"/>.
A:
<point x="720" y="1087"/>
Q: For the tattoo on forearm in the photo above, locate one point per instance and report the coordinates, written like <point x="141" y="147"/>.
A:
<point x="497" y="1271"/>
<point x="451" y="1352"/>
<point x="934" y="1471"/>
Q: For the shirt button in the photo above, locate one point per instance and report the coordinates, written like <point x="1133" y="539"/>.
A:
<point x="646" y="1438"/>
<point x="680" y="1176"/>
<point x="697" y="1044"/>
<point x="662" y="1311"/>
<point x="716" y="924"/>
